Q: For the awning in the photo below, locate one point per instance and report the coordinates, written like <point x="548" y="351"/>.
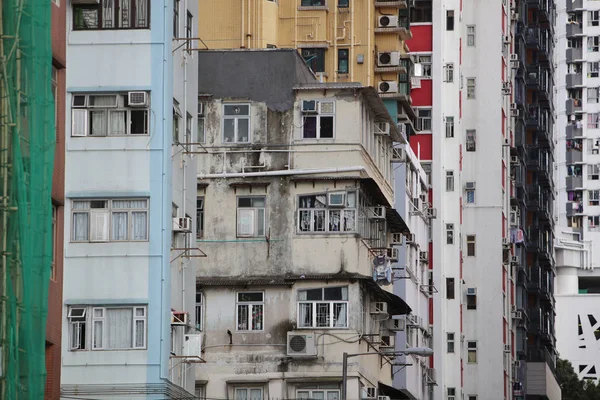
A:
<point x="395" y="222"/>
<point x="394" y="393"/>
<point x="397" y="305"/>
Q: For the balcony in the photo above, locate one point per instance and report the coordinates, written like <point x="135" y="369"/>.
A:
<point x="532" y="38"/>
<point x="573" y="5"/>
<point x="574" y="131"/>
<point x="573" y="106"/>
<point x="535" y="284"/>
<point x="574" y="182"/>
<point x="533" y="158"/>
<point x="574" y="157"/>
<point x="391" y="4"/>
<point x="533" y="117"/>
<point x="533" y="197"/>
<point x="573" y="208"/>
<point x="573" y="80"/>
<point x="574" y="55"/>
<point x="574" y="30"/>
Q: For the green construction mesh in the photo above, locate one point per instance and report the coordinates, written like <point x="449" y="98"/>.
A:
<point x="27" y="140"/>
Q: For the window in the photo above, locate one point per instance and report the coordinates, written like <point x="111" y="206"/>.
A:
<point x="325" y="392"/>
<point x="593" y="222"/>
<point x="188" y="128"/>
<point x="236" y="123"/>
<point x="472" y="397"/>
<point x="594" y="172"/>
<point x="471" y="301"/>
<point x="593" y="44"/>
<point x="449" y="127"/>
<point x="318" y="212"/>
<point x="109" y="220"/>
<point x="424" y="119"/>
<point x="470" y="196"/>
<point x="449" y="233"/>
<point x="200" y="392"/>
<point x="130" y="14"/>
<point x="471" y="140"/>
<point x="593" y="120"/>
<point x="312" y="3"/>
<point x="175" y="18"/>
<point x="593" y="18"/>
<point x="449" y="181"/>
<point x="471" y="245"/>
<point x="421" y="12"/>
<point x="201" y="134"/>
<point x="425" y="62"/>
<point x="593" y="69"/>
<point x="471" y="351"/>
<point x="449" y="288"/>
<point x="109" y="328"/>
<point x="451" y="393"/>
<point x="450" y="20"/>
<point x="248" y="394"/>
<point x="110" y="114"/>
<point x="449" y="72"/>
<point x="470" y="88"/>
<point x="594" y="197"/>
<point x="189" y="27"/>
<point x="199" y="310"/>
<point x="343" y="66"/>
<point x="323" y="308"/>
<point x="450" y="342"/>
<point x="199" y="217"/>
<point x="54" y="242"/>
<point x="250" y="309"/>
<point x="319" y="125"/>
<point x="176" y="121"/>
<point x="314" y="58"/>
<point x="251" y="218"/>
<point x="592" y="95"/>
<point x="470" y="35"/>
<point x="343" y="3"/>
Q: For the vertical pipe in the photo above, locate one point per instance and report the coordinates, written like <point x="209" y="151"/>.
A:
<point x="344" y="376"/>
<point x="367" y="57"/>
<point x="4" y="143"/>
<point x="242" y="29"/>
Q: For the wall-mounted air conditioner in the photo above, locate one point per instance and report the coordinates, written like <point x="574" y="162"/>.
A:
<point x="471" y="291"/>
<point x="137" y="99"/>
<point x="387" y="21"/>
<point x="395" y="325"/>
<point x="388" y="87"/>
<point x="388" y="59"/>
<point x="377" y="213"/>
<point x="507" y="348"/>
<point x="192" y="345"/>
<point x="392" y="254"/>
<point x="398" y="154"/>
<point x="470" y="186"/>
<point x="336" y="199"/>
<point x="182" y="224"/>
<point x="396" y="238"/>
<point x="514" y="160"/>
<point x="368" y="393"/>
<point x="381" y="128"/>
<point x="179" y="318"/>
<point x="309" y="106"/>
<point x="423" y="256"/>
<point x="410" y="238"/>
<point x="379" y="308"/>
<point x="514" y="260"/>
<point x="506" y="242"/>
<point x="506" y="88"/>
<point x="301" y="344"/>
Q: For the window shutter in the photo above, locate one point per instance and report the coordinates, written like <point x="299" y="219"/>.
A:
<point x="246" y="222"/>
<point x="99" y="225"/>
<point x="80" y="123"/>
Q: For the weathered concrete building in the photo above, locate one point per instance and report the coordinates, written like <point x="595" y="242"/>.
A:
<point x="295" y="213"/>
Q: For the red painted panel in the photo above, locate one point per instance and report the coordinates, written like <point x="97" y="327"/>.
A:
<point x="430" y="248"/>
<point x="421" y="145"/>
<point x="423" y="97"/>
<point x="422" y="38"/>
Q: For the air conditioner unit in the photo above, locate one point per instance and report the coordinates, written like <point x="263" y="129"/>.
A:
<point x="514" y="260"/>
<point x="514" y="218"/>
<point x="301" y="344"/>
<point x="507" y="39"/>
<point x="381" y="128"/>
<point x="505" y="242"/>
<point x="513" y="308"/>
<point x="410" y="238"/>
<point x="507" y="348"/>
<point x="392" y="254"/>
<point x="517" y="315"/>
<point x="379" y="307"/>
<point x="182" y="224"/>
<point x="402" y="128"/>
<point x="137" y="99"/>
<point x="412" y="320"/>
<point x="398" y="154"/>
<point x="387" y="21"/>
<point x="517" y="363"/>
<point x="368" y="393"/>
<point x="470" y="186"/>
<point x="396" y="238"/>
<point x="506" y="88"/>
<point x="416" y="202"/>
<point x="432" y="212"/>
<point x="423" y="256"/>
<point x="471" y="291"/>
<point x="309" y="106"/>
<point x="514" y="61"/>
<point x="514" y="16"/>
<point x="387" y="343"/>
<point x="336" y="199"/>
<point x="514" y="160"/>
<point x="395" y="325"/>
<point x="514" y="57"/>
<point x="388" y="87"/>
<point x="192" y="345"/>
<point x="383" y="397"/>
<point x="430" y="375"/>
<point x="377" y="212"/>
<point x="388" y="59"/>
<point x="179" y="318"/>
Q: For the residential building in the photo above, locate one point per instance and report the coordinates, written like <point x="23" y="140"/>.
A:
<point x="486" y="119"/>
<point x="296" y="184"/>
<point x="130" y="178"/>
<point x="54" y="321"/>
<point x="578" y="207"/>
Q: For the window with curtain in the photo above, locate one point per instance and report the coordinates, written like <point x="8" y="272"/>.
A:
<point x="250" y="311"/>
<point x="236" y="123"/>
<point x="333" y="212"/>
<point x="323" y="308"/>
<point x="248" y="394"/>
<point x="109" y="220"/>
<point x="109" y="114"/>
<point x="115" y="327"/>
<point x="251" y="217"/>
<point x="108" y="14"/>
<point x="318" y="392"/>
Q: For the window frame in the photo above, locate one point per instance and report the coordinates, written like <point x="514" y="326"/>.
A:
<point x="82" y="114"/>
<point x="251" y="305"/>
<point x="303" y="3"/>
<point x="318" y="115"/>
<point x="133" y="20"/>
<point x="471" y="240"/>
<point x="255" y="232"/>
<point x="331" y="308"/>
<point x="426" y="61"/>
<point x="450" y="288"/>
<point x="176" y="4"/>
<point x="471" y="35"/>
<point x="248" y="389"/>
<point x="425" y="120"/>
<point x="450" y="342"/>
<point x="471" y="140"/>
<point x="200" y="204"/>
<point x="316" y="60"/>
<point x="189" y="29"/>
<point x="450" y="393"/>
<point x="471" y="88"/>
<point x="327" y="210"/>
<point x="449" y="20"/>
<point x="472" y="350"/>
<point x="450" y="126"/>
<point x="236" y="119"/>
<point x="449" y="180"/>
<point x="449" y="73"/>
<point x="109" y="210"/>
<point x="199" y="311"/>
<point x="593" y="197"/>
<point x="449" y="233"/>
<point x="470" y="196"/>
<point x="341" y="58"/>
<point x="311" y="390"/>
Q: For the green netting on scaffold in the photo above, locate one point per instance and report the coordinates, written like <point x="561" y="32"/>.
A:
<point x="27" y="141"/>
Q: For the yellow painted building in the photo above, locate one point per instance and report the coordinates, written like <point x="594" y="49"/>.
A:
<point x="341" y="40"/>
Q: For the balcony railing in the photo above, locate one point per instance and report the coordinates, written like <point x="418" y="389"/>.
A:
<point x="573" y="80"/>
<point x="574" y="131"/>
<point x="574" y="54"/>
<point x="574" y="182"/>
<point x="574" y="156"/>
<point x="573" y="5"/>
<point x="573" y="105"/>
<point x="537" y="354"/>
<point x="574" y="29"/>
